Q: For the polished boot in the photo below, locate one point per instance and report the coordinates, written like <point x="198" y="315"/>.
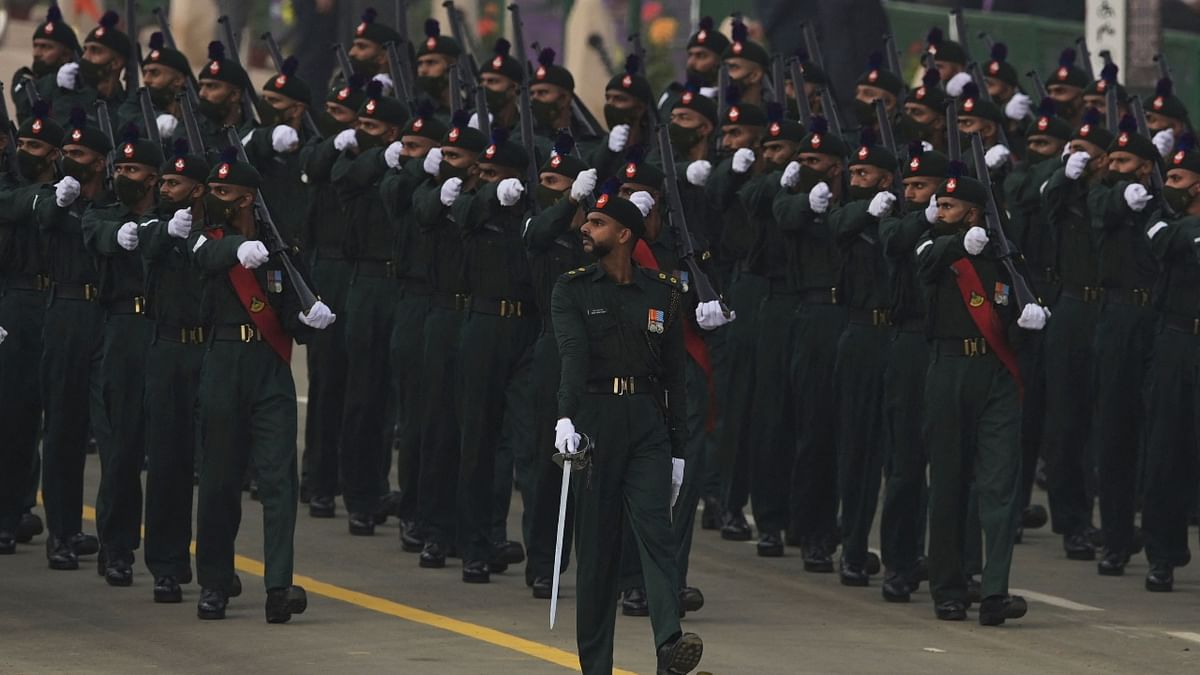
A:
<point x="320" y="506"/>
<point x="691" y="599"/>
<point x="1078" y="547"/>
<point x="29" y="526"/>
<point x="542" y="587"/>
<point x="681" y="655"/>
<point x="118" y="569"/>
<point x="951" y="610"/>
<point x="1112" y="564"/>
<point x="710" y="517"/>
<point x="1034" y="516"/>
<point x="817" y="558"/>
<point x="282" y="603"/>
<point x="736" y="528"/>
<point x="212" y="604"/>
<point x="996" y="609"/>
<point x="896" y="587"/>
<point x="633" y="602"/>
<point x="167" y="590"/>
<point x="770" y="545"/>
<point x="84" y="544"/>
<point x="1160" y="579"/>
<point x="475" y="572"/>
<point x="362" y="524"/>
<point x="410" y="537"/>
<point x="433" y="555"/>
<point x="59" y="555"/>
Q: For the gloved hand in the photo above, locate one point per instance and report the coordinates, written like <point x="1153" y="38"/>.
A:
<point x="345" y="139"/>
<point x="566" y="440"/>
<point x="1076" y="164"/>
<point x="677" y="464"/>
<point x="66" y="191"/>
<point x="3" y="334"/>
<point x="1164" y="142"/>
<point x="1033" y="317"/>
<point x="931" y="211"/>
<point x="819" y="197"/>
<point x="996" y="156"/>
<point x="710" y="316"/>
<point x="954" y="86"/>
<point x="926" y="146"/>
<point x="743" y="159"/>
<point x="127" y="236"/>
<point x="450" y="191"/>
<point x="391" y="156"/>
<point x="1137" y="196"/>
<point x="386" y="81"/>
<point x="433" y="162"/>
<point x="643" y="201"/>
<point x="252" y="254"/>
<point x="975" y="240"/>
<point x="1018" y="107"/>
<point x="708" y="92"/>
<point x="881" y="203"/>
<point x="166" y="125"/>
<point x="68" y="76"/>
<point x="618" y="137"/>
<point x="509" y="191"/>
<point x="584" y="185"/>
<point x="474" y="121"/>
<point x="180" y="225"/>
<point x="319" y="316"/>
<point x="284" y="139"/>
<point x="791" y="175"/>
<point x="698" y="172"/>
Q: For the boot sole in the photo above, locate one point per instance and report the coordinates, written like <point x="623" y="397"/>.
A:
<point x="168" y="598"/>
<point x="686" y="654"/>
<point x="210" y="615"/>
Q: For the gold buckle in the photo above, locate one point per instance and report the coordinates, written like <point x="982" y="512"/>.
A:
<point x="138" y="304"/>
<point x="198" y="335"/>
<point x="509" y="310"/>
<point x="1195" y="326"/>
<point x="247" y="332"/>
<point x="43" y="282"/>
<point x="970" y="347"/>
<point x="833" y="295"/>
<point x="879" y="317"/>
<point x="89" y="292"/>
<point x="623" y="386"/>
<point x="460" y="301"/>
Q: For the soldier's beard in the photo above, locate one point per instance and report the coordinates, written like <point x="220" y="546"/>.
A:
<point x="598" y="250"/>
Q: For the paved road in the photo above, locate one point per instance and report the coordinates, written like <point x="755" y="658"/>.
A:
<point x="373" y="610"/>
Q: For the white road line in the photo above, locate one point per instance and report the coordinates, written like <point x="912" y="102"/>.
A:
<point x="1191" y="637"/>
<point x="1056" y="601"/>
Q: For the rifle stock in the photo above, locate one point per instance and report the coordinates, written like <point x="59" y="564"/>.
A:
<point x="677" y="221"/>
<point x="148" y="117"/>
<point x="800" y="94"/>
<point x="1023" y="291"/>
<point x="889" y="141"/>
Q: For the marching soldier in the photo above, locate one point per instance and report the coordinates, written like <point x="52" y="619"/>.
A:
<point x="501" y="78"/>
<point x="609" y="373"/>
<point x="875" y="83"/>
<point x="1096" y="94"/>
<point x="1166" y="118"/>
<point x="223" y="84"/>
<point x="949" y="57"/>
<point x="627" y="101"/>
<point x="96" y="76"/>
<point x="436" y="55"/>
<point x="972" y="402"/>
<point x="748" y="64"/>
<point x="55" y="44"/>
<point x="164" y="73"/>
<point x="924" y="117"/>
<point x="247" y="399"/>
<point x="1066" y="87"/>
<point x="368" y="52"/>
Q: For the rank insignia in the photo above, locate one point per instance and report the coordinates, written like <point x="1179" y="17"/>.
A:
<point x="274" y="281"/>
<point x="657" y="321"/>
<point x="976" y="300"/>
<point x="257" y="305"/>
<point x="1001" y="295"/>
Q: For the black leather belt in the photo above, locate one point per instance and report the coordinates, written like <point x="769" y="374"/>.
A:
<point x="76" y="292"/>
<point x="1182" y="324"/>
<point x="915" y="325"/>
<point x="622" y="386"/>
<point x="452" y="301"/>
<point x="869" y="317"/>
<point x="184" y="336"/>
<point x="27" y="282"/>
<point x="508" y="309"/>
<point x="246" y="332"/>
<point x="1086" y="294"/>
<point x="1138" y="297"/>
<point x="376" y="269"/>
<point x="962" y="346"/>
<point x="819" y="296"/>
<point x="136" y="305"/>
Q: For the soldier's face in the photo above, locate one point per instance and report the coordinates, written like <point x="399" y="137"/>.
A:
<point x="366" y="50"/>
<point x="1097" y="101"/>
<point x="737" y="136"/>
<point x="923" y="114"/>
<point x="743" y="72"/>
<point x="433" y="65"/>
<point x="702" y="60"/>
<point x="216" y="91"/>
<point x="969" y="124"/>
<point x="918" y="189"/>
<point x="1128" y="163"/>
<point x="416" y="146"/>
<point x="1099" y="158"/>
<point x="1067" y="98"/>
<point x="157" y="76"/>
<point x="91" y="162"/>
<point x="946" y="69"/>
<point x="499" y="84"/>
<point x="827" y="165"/>
<point x="867" y="94"/>
<point x="50" y="52"/>
<point x="342" y="114"/>
<point x="37" y="148"/>
<point x="458" y="158"/>
<point x="1046" y="146"/>
<point x="383" y="130"/>
<point x="999" y="89"/>
<point x="601" y="234"/>
<point x="494" y="173"/>
<point x="1156" y="123"/>
<point x="955" y="213"/>
<point x="778" y="153"/>
<point x="177" y="189"/>
<point x="866" y="176"/>
<point x="555" y="181"/>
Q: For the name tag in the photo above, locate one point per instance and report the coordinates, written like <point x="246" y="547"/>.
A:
<point x="597" y="311"/>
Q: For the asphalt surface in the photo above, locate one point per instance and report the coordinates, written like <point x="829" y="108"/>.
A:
<point x="371" y="609"/>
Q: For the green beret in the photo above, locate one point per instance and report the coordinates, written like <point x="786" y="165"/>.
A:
<point x="1129" y="140"/>
<point x="287" y="84"/>
<point x="692" y="99"/>
<point x="40" y="126"/>
<point x="383" y="108"/>
<point x="222" y="69"/>
<point x="871" y="153"/>
<point x="562" y="161"/>
<point x="369" y="29"/>
<point x="965" y="188"/>
<point x="461" y="135"/>
<point x="548" y="72"/>
<point x="87" y="136"/>
<point x="504" y="152"/>
<point x="924" y="163"/>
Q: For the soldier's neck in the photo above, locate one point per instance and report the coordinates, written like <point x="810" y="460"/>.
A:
<point x="618" y="265"/>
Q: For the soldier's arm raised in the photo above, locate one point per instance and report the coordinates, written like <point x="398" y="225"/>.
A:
<point x="935" y="254"/>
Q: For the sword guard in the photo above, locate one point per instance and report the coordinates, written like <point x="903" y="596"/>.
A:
<point x="579" y="460"/>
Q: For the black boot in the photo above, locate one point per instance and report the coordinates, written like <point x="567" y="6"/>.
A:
<point x="282" y="603"/>
<point x="212" y="604"/>
<point x="996" y="609"/>
<point x="633" y="602"/>
<point x="1160" y="579"/>
<point x="167" y="590"/>
<point x="681" y="655"/>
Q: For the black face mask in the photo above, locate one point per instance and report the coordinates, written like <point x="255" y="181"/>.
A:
<point x="41" y="68"/>
<point x="1068" y="109"/>
<point x="547" y="197"/>
<point x="1032" y="158"/>
<point x="913" y="207"/>
<point x="161" y="97"/>
<point x="614" y="116"/>
<point x="93" y="73"/>
<point x="446" y="171"/>
<point x="545" y="115"/>
<point x="367" y="68"/>
<point x="1115" y="177"/>
<point x="327" y="124"/>
<point x="367" y="141"/>
<point x="434" y="86"/>
<point x="129" y="191"/>
<point x="809" y="177"/>
<point x="497" y="100"/>
<point x="771" y="167"/>
<point x="167" y="207"/>
<point x="947" y="226"/>
<point x="865" y="113"/>
<point x="706" y="78"/>
<point x="1179" y="199"/>
<point x="856" y="193"/>
<point x="683" y="139"/>
<point x="214" y="111"/>
<point x="269" y="115"/>
<point x="78" y="171"/>
<point x="217" y="210"/>
<point x="31" y="166"/>
<point x="913" y="130"/>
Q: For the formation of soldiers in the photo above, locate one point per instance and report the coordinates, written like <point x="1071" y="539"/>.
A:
<point x="725" y="299"/>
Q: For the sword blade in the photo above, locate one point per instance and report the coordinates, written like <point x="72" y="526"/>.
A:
<point x="558" y="542"/>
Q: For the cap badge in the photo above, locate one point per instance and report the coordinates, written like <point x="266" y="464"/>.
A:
<point x="602" y="201"/>
<point x="223" y="171"/>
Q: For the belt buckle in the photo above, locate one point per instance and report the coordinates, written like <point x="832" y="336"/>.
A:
<point x="833" y="295"/>
<point x="196" y="334"/>
<point x="622" y="386"/>
<point x="970" y="347"/>
<point x="504" y="308"/>
<point x="183" y="335"/>
<point x="89" y="292"/>
<point x="247" y="332"/>
<point x="43" y="282"/>
<point x="1195" y="326"/>
<point x="878" y="317"/>
<point x="138" y="304"/>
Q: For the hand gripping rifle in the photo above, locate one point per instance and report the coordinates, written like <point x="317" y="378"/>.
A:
<point x="278" y="60"/>
<point x="995" y="227"/>
<point x="1156" y="172"/>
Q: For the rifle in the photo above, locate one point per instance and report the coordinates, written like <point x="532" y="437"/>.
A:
<point x="105" y="124"/>
<point x="525" y="107"/>
<point x="987" y="39"/>
<point x="977" y="76"/>
<point x="307" y="297"/>
<point x="277" y="58"/>
<point x="893" y="63"/>
<point x="640" y="51"/>
<point x="134" y="59"/>
<point x="189" y="82"/>
<point x="596" y="42"/>
<point x="1088" y="69"/>
<point x="11" y="130"/>
<point x="191" y="128"/>
<point x="889" y="141"/>
<point x="343" y="61"/>
<point x="468" y="71"/>
<point x="778" y="92"/>
<point x="1112" y="116"/>
<point x="1024" y="292"/>
<point x="1164" y="70"/>
<point x="1156" y="174"/>
<point x="829" y="106"/>
<point x="400" y="62"/>
<point x="799" y="93"/>
<point x="148" y="117"/>
<point x="403" y="88"/>
<point x="959" y="23"/>
<point x="953" y="140"/>
<point x="1039" y="87"/>
<point x="250" y="97"/>
<point x="811" y="45"/>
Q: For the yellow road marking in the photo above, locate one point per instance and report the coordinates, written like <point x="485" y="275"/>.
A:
<point x="492" y="636"/>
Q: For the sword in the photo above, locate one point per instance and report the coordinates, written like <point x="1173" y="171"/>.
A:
<point x="576" y="461"/>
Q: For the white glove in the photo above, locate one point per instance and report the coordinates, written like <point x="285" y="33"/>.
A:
<point x="618" y="137"/>
<point x="995" y="156"/>
<point x="180" y="225"/>
<point x="252" y="254"/>
<point x="708" y="92"/>
<point x="166" y="125"/>
<point x="565" y="439"/>
<point x="881" y="203"/>
<point x="819" y="197"/>
<point x="698" y="172"/>
<point x="66" y="191"/>
<point x="319" y="316"/>
<point x="709" y="315"/>
<point x="974" y="240"/>
<point x="474" y="121"/>
<point x="954" y="85"/>
<point x="1164" y="141"/>
<point x="391" y="156"/>
<point x="791" y="175"/>
<point x="1076" y="164"/>
<point x="68" y="76"/>
<point x="450" y="191"/>
<point x="345" y="139"/>
<point x="931" y="211"/>
<point x="643" y="201"/>
<point x="926" y="146"/>
<point x="284" y="139"/>
<point x="3" y="334"/>
<point x="1033" y="317"/>
<point x="1018" y="107"/>
<point x="1137" y="196"/>
<point x="677" y="465"/>
<point x="127" y="236"/>
<point x="433" y="162"/>
<point x="385" y="80"/>
<point x="509" y="191"/>
<point x="743" y="159"/>
<point x="584" y="185"/>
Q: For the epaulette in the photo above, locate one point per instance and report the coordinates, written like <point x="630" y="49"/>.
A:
<point x="576" y="273"/>
<point x="662" y="277"/>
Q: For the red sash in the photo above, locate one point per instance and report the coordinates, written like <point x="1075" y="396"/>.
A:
<point x="255" y="302"/>
<point x="983" y="313"/>
<point x="695" y="347"/>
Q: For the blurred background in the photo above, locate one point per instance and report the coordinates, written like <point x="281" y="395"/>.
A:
<point x="591" y="35"/>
